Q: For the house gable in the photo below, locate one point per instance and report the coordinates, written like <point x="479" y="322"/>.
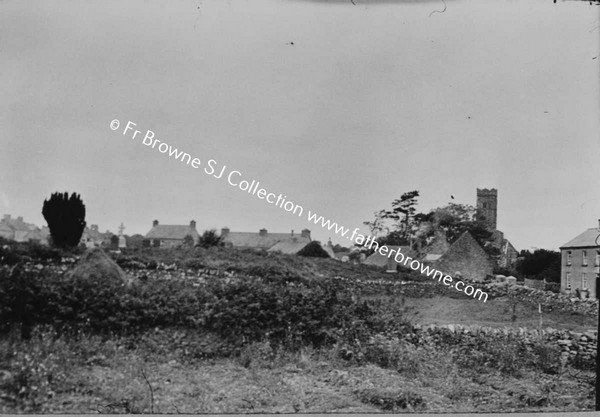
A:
<point x="467" y="258"/>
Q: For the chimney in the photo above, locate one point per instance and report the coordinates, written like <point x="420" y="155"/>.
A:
<point x="292" y="232"/>
<point x="193" y="224"/>
<point x="306" y="233"/>
<point x="20" y="219"/>
<point x="155" y="223"/>
<point x="262" y="232"/>
<point x="224" y="232"/>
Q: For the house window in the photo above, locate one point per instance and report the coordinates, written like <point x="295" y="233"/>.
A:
<point x="597" y="258"/>
<point x="568" y="281"/>
<point x="584" y="258"/>
<point x="584" y="281"/>
<point x="569" y="254"/>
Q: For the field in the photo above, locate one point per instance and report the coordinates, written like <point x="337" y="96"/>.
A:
<point x="224" y="331"/>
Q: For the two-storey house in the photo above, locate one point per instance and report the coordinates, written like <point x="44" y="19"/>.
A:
<point x="580" y="263"/>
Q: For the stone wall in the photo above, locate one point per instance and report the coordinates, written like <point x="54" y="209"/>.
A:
<point x="550" y="301"/>
<point x="535" y="283"/>
<point x="573" y="345"/>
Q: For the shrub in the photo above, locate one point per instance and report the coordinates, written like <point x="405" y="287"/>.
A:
<point x="37" y="370"/>
<point x="209" y="239"/>
<point x="314" y="250"/>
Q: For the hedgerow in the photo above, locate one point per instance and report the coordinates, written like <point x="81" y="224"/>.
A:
<point x="249" y="308"/>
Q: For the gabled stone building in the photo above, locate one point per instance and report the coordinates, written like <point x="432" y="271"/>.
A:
<point x="465" y="259"/>
<point x="167" y="235"/>
<point x="16" y="229"/>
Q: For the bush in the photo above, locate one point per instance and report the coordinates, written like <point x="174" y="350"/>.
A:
<point x="314" y="250"/>
<point x="209" y="239"/>
<point x="553" y="286"/>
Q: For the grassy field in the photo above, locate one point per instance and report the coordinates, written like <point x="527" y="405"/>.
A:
<point x="126" y="376"/>
<point x="304" y="341"/>
<point x="493" y="313"/>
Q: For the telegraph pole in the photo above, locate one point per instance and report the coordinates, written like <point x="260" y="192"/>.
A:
<point x="598" y="344"/>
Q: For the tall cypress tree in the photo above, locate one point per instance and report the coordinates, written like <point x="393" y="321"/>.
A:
<point x="65" y="217"/>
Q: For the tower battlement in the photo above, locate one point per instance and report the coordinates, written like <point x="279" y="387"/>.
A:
<point x="485" y="192"/>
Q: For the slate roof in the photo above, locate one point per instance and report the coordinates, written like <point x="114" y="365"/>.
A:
<point x="172" y="232"/>
<point x="256" y="240"/>
<point x="291" y="246"/>
<point x="465" y="247"/>
<point x="466" y="257"/>
<point x="584" y="240"/>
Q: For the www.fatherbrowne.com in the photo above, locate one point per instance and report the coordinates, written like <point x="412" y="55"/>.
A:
<point x="235" y="179"/>
<point x="399" y="257"/>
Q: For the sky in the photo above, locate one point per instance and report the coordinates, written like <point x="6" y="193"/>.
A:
<point x="339" y="107"/>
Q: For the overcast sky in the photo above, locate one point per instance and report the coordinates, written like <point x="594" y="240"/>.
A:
<point x="371" y="100"/>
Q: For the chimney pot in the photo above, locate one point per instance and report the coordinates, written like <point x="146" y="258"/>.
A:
<point x="224" y="231"/>
<point x="262" y="232"/>
<point x="193" y="224"/>
<point x="155" y="223"/>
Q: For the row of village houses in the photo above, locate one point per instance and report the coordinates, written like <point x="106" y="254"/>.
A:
<point x="580" y="265"/>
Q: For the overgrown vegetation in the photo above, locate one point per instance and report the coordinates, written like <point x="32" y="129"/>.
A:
<point x="279" y="329"/>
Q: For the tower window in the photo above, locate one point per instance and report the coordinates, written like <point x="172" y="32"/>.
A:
<point x="568" y="281"/>
<point x="584" y="281"/>
<point x="569" y="254"/>
<point x="584" y="258"/>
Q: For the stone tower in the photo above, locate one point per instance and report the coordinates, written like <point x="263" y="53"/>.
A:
<point x="487" y="206"/>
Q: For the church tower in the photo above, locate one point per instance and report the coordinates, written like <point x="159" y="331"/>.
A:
<point x="487" y="206"/>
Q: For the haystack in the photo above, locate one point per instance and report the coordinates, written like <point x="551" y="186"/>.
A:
<point x="95" y="265"/>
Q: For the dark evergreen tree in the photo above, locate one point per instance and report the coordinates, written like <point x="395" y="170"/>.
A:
<point x="65" y="217"/>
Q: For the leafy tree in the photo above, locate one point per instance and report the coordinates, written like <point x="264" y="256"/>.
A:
<point x="339" y="248"/>
<point x="378" y="225"/>
<point x="456" y="219"/>
<point x="65" y="217"/>
<point x="404" y="207"/>
<point x="402" y="221"/>
<point x="540" y="264"/>
<point x="210" y="238"/>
